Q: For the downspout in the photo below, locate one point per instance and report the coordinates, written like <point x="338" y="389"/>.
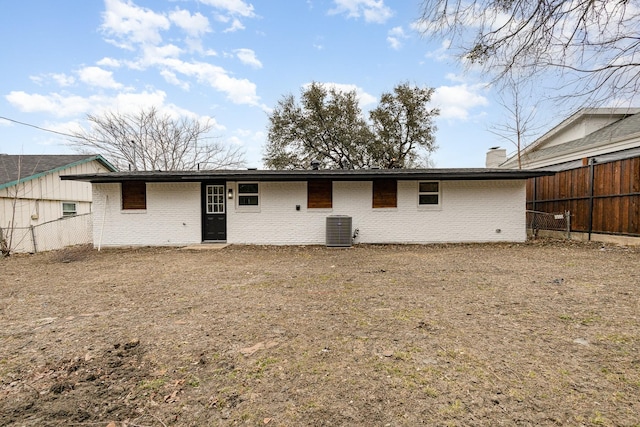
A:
<point x="533" y="205"/>
<point x="592" y="162"/>
<point x="104" y="216"/>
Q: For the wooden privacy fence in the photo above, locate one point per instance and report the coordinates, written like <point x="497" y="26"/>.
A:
<point x="602" y="197"/>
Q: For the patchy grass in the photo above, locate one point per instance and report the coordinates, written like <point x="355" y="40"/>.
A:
<point x="542" y="333"/>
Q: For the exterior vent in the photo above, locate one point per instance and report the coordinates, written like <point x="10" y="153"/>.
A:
<point x="339" y="231"/>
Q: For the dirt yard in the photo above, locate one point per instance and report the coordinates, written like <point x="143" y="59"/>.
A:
<point x="542" y="333"/>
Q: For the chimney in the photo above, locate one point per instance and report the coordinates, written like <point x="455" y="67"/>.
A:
<point x="495" y="157"/>
<point x="315" y="165"/>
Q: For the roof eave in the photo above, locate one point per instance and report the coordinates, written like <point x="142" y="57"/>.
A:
<point x="335" y="175"/>
<point x="96" y="157"/>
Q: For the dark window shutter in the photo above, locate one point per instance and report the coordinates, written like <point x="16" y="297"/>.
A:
<point x="319" y="194"/>
<point x="134" y="195"/>
<point x="385" y="193"/>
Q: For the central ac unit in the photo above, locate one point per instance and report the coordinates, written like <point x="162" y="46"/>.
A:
<point x="339" y="231"/>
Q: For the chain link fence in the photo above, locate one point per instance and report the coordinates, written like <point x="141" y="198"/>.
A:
<point x="552" y="221"/>
<point x="51" y="235"/>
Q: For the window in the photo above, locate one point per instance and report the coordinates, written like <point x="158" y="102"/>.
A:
<point x="215" y="199"/>
<point x="385" y="193"/>
<point x="429" y="193"/>
<point x="134" y="195"/>
<point x="248" y="194"/>
<point x="319" y="194"/>
<point x="69" y="209"/>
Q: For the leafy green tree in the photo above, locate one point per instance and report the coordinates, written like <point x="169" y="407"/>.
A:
<point x="328" y="126"/>
<point x="402" y="124"/>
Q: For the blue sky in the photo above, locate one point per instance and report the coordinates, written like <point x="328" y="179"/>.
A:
<point x="230" y="60"/>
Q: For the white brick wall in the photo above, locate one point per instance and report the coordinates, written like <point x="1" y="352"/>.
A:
<point x="471" y="211"/>
<point x="172" y="216"/>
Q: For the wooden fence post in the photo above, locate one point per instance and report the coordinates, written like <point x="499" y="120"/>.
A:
<point x="33" y="239"/>
<point x="592" y="162"/>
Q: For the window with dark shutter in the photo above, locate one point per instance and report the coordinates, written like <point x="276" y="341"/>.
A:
<point x="385" y="193"/>
<point x="134" y="195"/>
<point x="319" y="194"/>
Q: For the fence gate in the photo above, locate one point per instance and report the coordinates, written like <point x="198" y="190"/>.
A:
<point x="559" y="221"/>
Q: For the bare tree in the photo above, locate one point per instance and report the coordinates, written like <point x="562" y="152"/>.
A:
<point x="8" y="231"/>
<point x="150" y="140"/>
<point x="594" y="44"/>
<point x="518" y="125"/>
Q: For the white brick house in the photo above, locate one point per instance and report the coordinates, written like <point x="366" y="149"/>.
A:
<point x="291" y="207"/>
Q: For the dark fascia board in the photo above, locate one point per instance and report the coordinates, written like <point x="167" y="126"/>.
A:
<point x="304" y="175"/>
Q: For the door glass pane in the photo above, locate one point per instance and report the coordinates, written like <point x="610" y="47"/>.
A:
<point x="215" y="199"/>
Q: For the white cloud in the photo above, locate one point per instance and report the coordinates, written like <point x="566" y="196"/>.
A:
<point x="61" y="79"/>
<point x="153" y="55"/>
<point x="456" y="78"/>
<point x="455" y="102"/>
<point x="109" y="62"/>
<point x="139" y="29"/>
<point x="195" y="25"/>
<point x="54" y="103"/>
<point x="234" y="140"/>
<point x="39" y="80"/>
<point x="363" y="97"/>
<point x="395" y="37"/>
<point x="443" y="53"/>
<point x="132" y="102"/>
<point x="233" y="7"/>
<point x="69" y="105"/>
<point x="171" y="78"/>
<point x="239" y="91"/>
<point x="76" y="107"/>
<point x="248" y="57"/>
<point x="96" y="76"/>
<point x="371" y="10"/>
<point x="236" y="25"/>
<point x="62" y="127"/>
<point x="132" y="24"/>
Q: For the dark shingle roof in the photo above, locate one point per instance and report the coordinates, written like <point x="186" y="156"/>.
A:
<point x="14" y="168"/>
<point x="303" y="175"/>
<point x="625" y="127"/>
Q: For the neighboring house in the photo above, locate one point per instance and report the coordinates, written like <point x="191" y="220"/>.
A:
<point x="603" y="134"/>
<point x="312" y="207"/>
<point x="32" y="194"/>
<point x="596" y="154"/>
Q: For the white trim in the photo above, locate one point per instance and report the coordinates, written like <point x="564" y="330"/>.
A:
<point x="429" y="207"/>
<point x="213" y="201"/>
<point x="75" y="209"/>
<point x="247" y="208"/>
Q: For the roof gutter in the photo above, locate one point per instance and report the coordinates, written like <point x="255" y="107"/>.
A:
<point x="305" y="175"/>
